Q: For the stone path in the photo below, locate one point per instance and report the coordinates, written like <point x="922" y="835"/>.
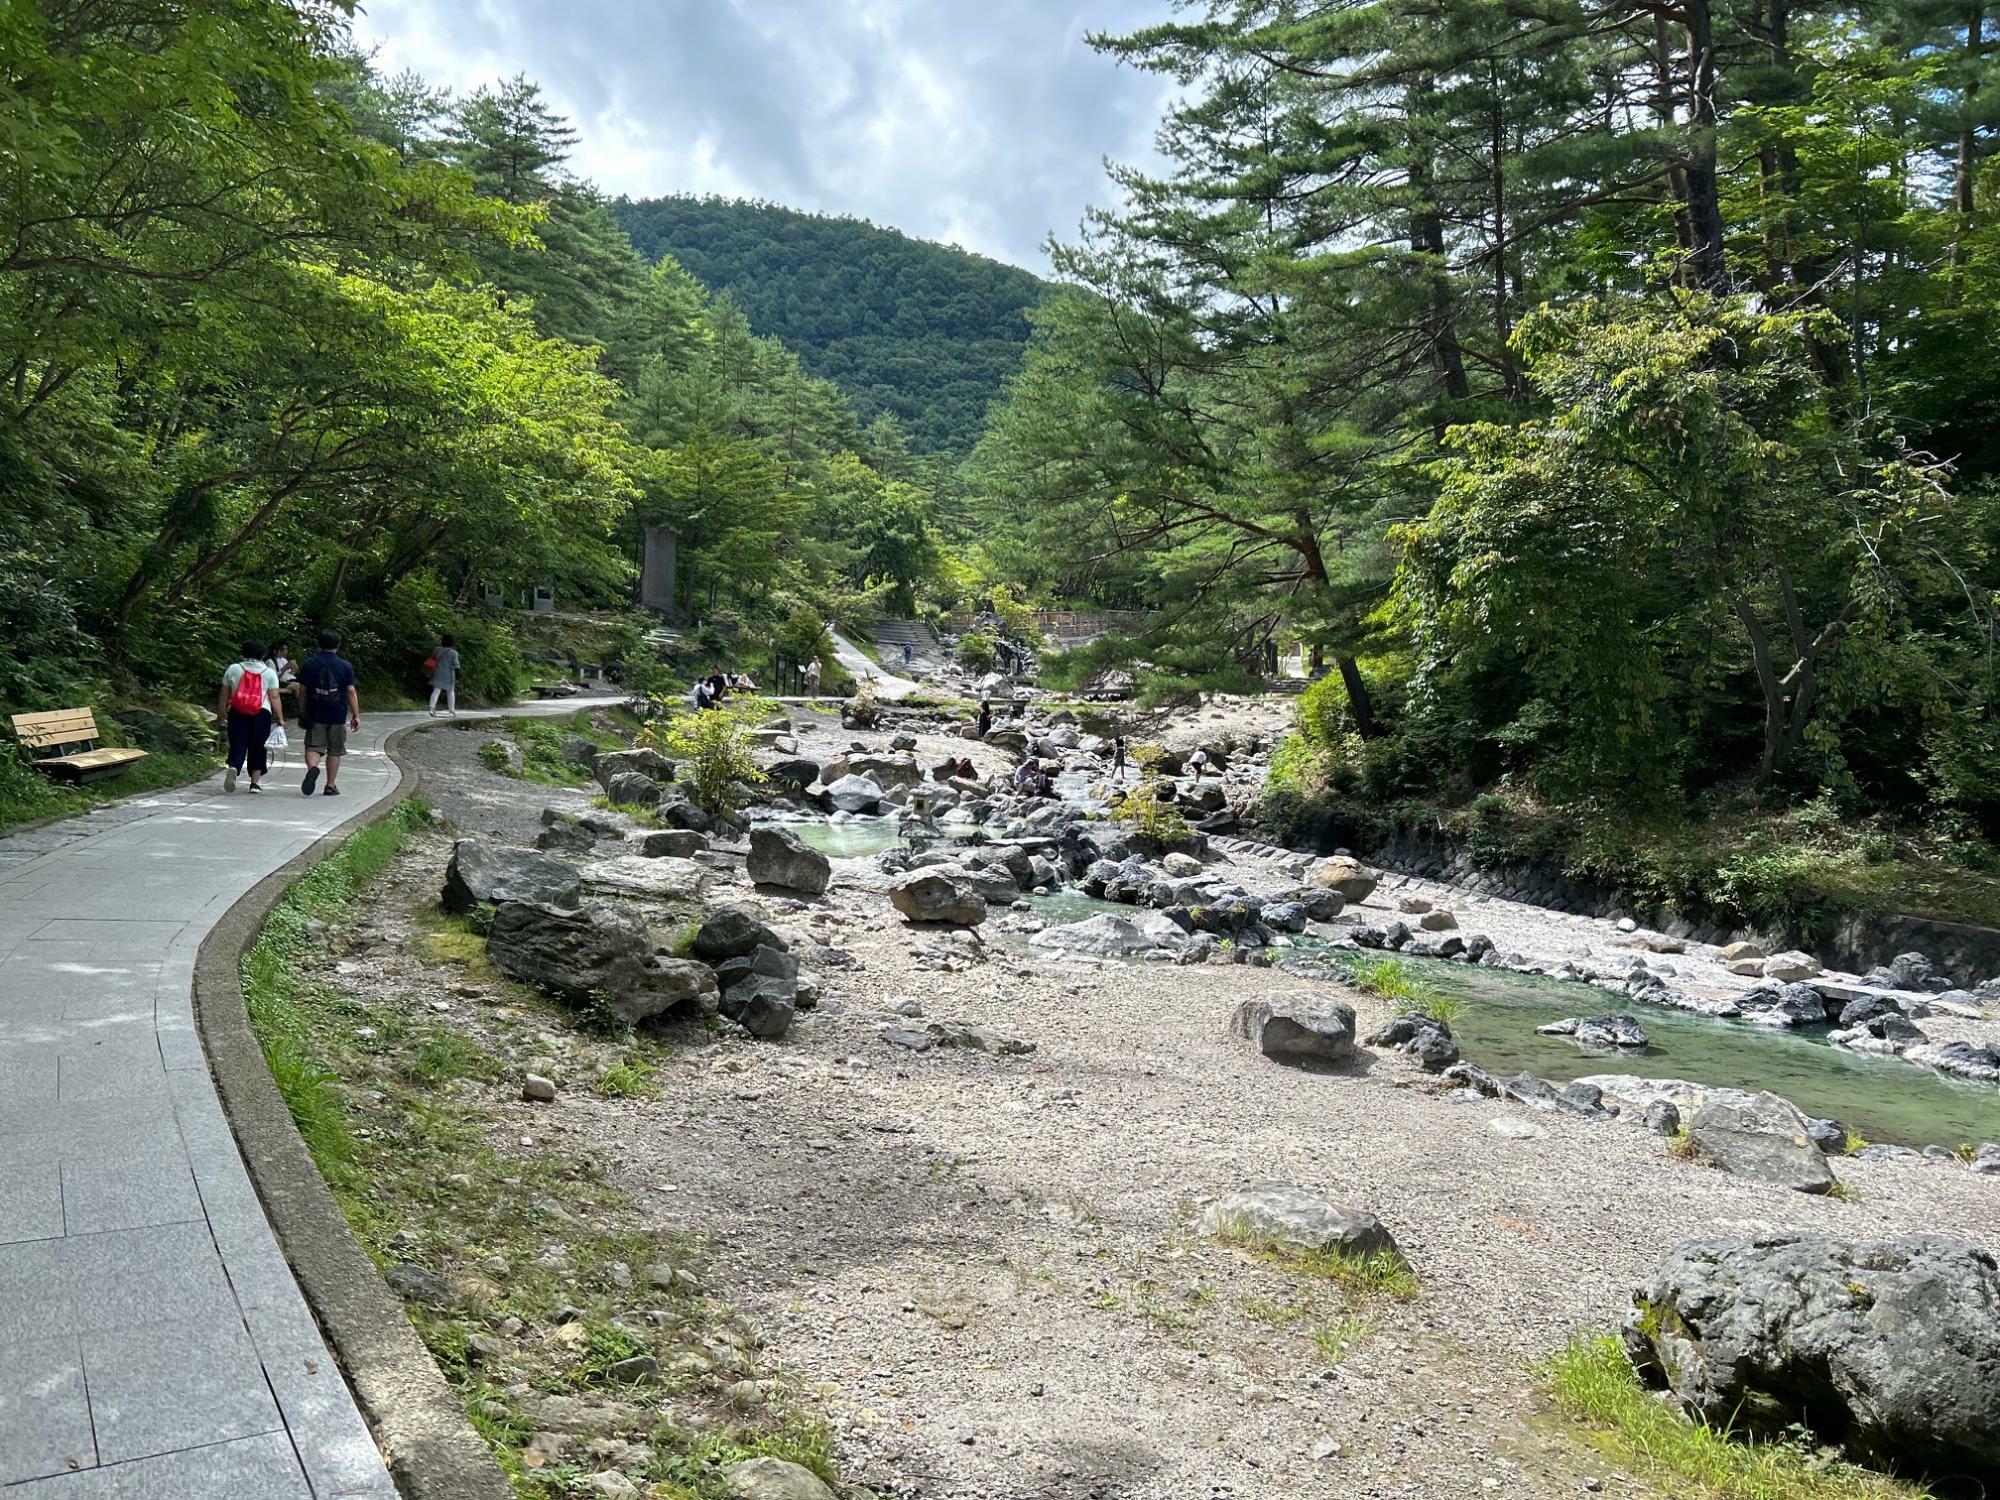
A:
<point x="153" y="1342"/>
<point x="889" y="687"/>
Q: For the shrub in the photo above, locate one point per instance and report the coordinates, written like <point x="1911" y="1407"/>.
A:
<point x="975" y="652"/>
<point x="1150" y="818"/>
<point x="713" y="748"/>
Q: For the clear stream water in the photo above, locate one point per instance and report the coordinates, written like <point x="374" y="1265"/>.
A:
<point x="1880" y="1098"/>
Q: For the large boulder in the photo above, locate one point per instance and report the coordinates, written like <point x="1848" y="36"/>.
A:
<point x="595" y="954"/>
<point x="780" y="857"/>
<point x="1425" y="1038"/>
<point x="1349" y="877"/>
<point x="671" y="843"/>
<point x="796" y="774"/>
<point x="773" y="1479"/>
<point x="482" y="873"/>
<point x="1791" y="967"/>
<point x="1887" y="1347"/>
<point x="886" y="770"/>
<point x="1297" y="1028"/>
<point x="1284" y="1213"/>
<point x="1763" y="1138"/>
<point x="650" y="764"/>
<point x="852" y="794"/>
<point x="1108" y="935"/>
<point x="938" y="895"/>
<point x="762" y="1004"/>
<point x="1598" y="1031"/>
<point x="631" y="789"/>
<point x="731" y="932"/>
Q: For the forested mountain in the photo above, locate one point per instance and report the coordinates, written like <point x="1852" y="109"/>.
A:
<point x="1604" y="389"/>
<point x="923" y="332"/>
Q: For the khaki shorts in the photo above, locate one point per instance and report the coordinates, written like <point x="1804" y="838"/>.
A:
<point x="328" y="739"/>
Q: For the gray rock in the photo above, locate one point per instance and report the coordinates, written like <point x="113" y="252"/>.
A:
<point x="419" y="1284"/>
<point x="640" y="1367"/>
<point x="1599" y="1031"/>
<point x="1294" y="1028"/>
<point x="1105" y="935"/>
<point x="773" y="1479"/>
<point x="481" y="872"/>
<point x="566" y="838"/>
<point x="976" y="1038"/>
<point x="687" y="817"/>
<point x="1287" y="1214"/>
<point x="781" y="858"/>
<point x="1883" y="1151"/>
<point x="762" y="1004"/>
<point x="1986" y="1160"/>
<point x="650" y="764"/>
<point x="1962" y="1059"/>
<point x="1887" y="1347"/>
<point x="1437" y="921"/>
<point x="730" y="932"/>
<point x="1433" y="1049"/>
<point x="1348" y="877"/>
<point x="1791" y="967"/>
<point x="671" y="843"/>
<point x="936" y="895"/>
<point x="631" y="789"/>
<point x="794" y="773"/>
<point x="853" y="794"/>
<point x="763" y="961"/>
<point x="1662" y="1118"/>
<point x="595" y="953"/>
<point x="1829" y="1136"/>
<point x="537" y="1089"/>
<point x="578" y="751"/>
<point x="1913" y="971"/>
<point x="1763" y="1138"/>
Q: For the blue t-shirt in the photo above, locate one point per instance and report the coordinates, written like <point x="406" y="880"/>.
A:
<point x="327" y="678"/>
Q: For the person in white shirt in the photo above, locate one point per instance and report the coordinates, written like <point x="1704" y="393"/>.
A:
<point x="248" y="706"/>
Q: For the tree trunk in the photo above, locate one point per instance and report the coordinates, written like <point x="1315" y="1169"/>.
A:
<point x="1427" y="240"/>
<point x="1703" y="182"/>
<point x="1359" y="704"/>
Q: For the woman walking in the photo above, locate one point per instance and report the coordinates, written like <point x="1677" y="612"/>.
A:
<point x="444" y="675"/>
<point x="248" y="706"/>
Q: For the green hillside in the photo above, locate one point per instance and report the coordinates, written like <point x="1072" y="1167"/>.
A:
<point x="923" y="331"/>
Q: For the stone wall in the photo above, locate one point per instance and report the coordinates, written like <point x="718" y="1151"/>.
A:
<point x="1857" y="943"/>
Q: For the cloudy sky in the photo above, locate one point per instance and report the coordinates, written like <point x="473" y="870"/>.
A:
<point x="979" y="122"/>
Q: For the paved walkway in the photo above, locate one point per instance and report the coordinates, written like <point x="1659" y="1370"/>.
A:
<point x="889" y="687"/>
<point x="153" y="1343"/>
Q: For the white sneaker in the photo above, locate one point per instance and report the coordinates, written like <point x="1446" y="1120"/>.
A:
<point x="229" y="779"/>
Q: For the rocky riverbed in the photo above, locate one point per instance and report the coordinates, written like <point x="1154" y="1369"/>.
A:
<point x="960" y="1196"/>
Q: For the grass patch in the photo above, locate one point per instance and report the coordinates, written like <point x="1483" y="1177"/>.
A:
<point x="1273" y="1314"/>
<point x="1333" y="1337"/>
<point x="401" y="1112"/>
<point x="1393" y="980"/>
<point x="541" y="744"/>
<point x="1380" y="1273"/>
<point x="633" y="1076"/>
<point x="1595" y="1387"/>
<point x="1844" y="1190"/>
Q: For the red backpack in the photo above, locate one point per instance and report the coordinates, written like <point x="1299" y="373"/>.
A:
<point x="248" y="698"/>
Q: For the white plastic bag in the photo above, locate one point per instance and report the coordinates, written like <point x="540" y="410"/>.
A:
<point x="277" y="741"/>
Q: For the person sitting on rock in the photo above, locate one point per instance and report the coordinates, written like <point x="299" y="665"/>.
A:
<point x="1025" y="775"/>
<point x="964" y="770"/>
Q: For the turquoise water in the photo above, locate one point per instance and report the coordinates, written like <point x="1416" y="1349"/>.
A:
<point x="857" y="839"/>
<point x="1880" y="1098"/>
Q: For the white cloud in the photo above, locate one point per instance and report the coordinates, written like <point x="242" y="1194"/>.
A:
<point x="980" y="122"/>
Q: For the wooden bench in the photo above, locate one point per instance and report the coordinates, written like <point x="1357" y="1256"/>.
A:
<point x="64" y="743"/>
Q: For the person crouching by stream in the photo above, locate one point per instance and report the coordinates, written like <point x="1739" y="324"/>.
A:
<point x="248" y="706"/>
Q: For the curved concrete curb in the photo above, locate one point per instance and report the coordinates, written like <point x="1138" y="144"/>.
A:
<point x="433" y="1452"/>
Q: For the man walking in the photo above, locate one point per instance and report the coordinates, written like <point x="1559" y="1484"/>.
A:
<point x="332" y="707"/>
<point x="813" y="669"/>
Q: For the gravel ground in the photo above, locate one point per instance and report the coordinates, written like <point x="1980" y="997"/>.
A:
<point x="983" y="1265"/>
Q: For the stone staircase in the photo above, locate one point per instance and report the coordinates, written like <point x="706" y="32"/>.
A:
<point x="892" y="635"/>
